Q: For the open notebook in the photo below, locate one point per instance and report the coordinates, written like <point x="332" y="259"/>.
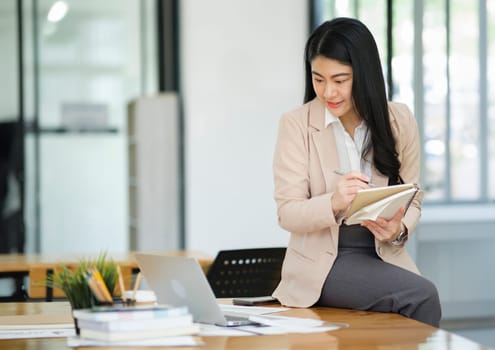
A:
<point x="385" y="201"/>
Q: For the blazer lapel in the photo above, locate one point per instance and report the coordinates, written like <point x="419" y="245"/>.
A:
<point x="324" y="142"/>
<point x="326" y="148"/>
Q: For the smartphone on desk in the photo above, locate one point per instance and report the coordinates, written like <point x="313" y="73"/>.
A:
<point x="253" y="301"/>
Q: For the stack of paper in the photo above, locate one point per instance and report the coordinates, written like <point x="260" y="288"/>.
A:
<point x="36" y="326"/>
<point x="134" y="323"/>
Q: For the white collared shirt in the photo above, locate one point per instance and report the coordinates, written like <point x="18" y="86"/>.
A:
<point x="348" y="149"/>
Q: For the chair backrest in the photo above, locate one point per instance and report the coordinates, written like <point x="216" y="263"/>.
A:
<point x="246" y="272"/>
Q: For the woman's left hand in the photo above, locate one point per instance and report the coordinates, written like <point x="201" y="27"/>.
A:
<point x="385" y="230"/>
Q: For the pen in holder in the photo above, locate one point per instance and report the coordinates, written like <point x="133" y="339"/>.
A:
<point x="98" y="286"/>
<point x="129" y="297"/>
<point x="123" y="297"/>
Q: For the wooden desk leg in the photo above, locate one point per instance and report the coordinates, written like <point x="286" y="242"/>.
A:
<point x="49" y="290"/>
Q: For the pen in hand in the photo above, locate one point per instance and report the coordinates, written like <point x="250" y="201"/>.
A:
<point x="341" y="173"/>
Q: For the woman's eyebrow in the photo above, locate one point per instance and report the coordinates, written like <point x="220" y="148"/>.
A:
<point x="338" y="75"/>
<point x="332" y="76"/>
<point x="316" y="73"/>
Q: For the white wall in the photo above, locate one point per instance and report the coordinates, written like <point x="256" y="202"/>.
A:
<point x="241" y="68"/>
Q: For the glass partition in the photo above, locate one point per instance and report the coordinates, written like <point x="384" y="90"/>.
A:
<point x="464" y="100"/>
<point x="490" y="20"/>
<point x="435" y="90"/>
<point x="85" y="62"/>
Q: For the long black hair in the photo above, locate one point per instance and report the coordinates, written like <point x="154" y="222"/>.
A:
<point x="350" y="42"/>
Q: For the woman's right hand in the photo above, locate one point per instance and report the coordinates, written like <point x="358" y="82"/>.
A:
<point x="347" y="188"/>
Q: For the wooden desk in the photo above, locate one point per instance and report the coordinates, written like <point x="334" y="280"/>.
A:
<point x="366" y="331"/>
<point x="36" y="266"/>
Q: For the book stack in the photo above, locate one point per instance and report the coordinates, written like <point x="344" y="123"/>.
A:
<point x="116" y="324"/>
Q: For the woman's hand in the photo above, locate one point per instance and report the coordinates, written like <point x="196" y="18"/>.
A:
<point x="346" y="190"/>
<point x="385" y="230"/>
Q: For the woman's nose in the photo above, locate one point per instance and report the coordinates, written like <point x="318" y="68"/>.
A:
<point x="330" y="91"/>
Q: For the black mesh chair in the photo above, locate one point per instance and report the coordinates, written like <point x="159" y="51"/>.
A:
<point x="246" y="272"/>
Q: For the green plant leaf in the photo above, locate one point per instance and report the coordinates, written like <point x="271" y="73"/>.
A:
<point x="73" y="282"/>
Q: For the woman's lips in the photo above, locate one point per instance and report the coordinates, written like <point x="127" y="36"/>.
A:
<point x="334" y="104"/>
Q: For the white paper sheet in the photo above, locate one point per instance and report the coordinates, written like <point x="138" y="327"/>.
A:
<point x="165" y="341"/>
<point x="208" y="330"/>
<point x="273" y="325"/>
<point x="286" y="324"/>
<point x="250" y="310"/>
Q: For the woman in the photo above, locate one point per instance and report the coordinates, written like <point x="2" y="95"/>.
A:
<point x="347" y="126"/>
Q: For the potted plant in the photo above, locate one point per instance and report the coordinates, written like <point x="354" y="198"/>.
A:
<point x="74" y="282"/>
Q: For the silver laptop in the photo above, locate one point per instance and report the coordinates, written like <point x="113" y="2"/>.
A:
<point x="181" y="281"/>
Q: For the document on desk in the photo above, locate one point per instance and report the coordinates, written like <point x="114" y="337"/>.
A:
<point x="250" y="310"/>
<point x="75" y="342"/>
<point x="271" y="325"/>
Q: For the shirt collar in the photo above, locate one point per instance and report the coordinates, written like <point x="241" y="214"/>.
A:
<point x="330" y="118"/>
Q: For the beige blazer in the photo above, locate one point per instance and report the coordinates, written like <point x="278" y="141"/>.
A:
<point x="304" y="163"/>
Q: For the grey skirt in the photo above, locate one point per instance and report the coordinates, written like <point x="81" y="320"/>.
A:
<point x="360" y="280"/>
